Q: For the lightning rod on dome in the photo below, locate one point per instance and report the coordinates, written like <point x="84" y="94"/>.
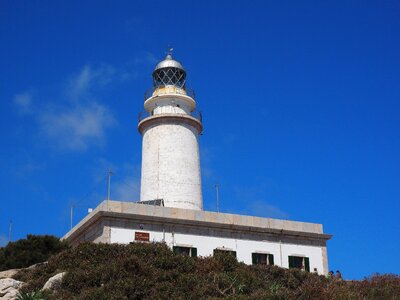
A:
<point x="169" y="51"/>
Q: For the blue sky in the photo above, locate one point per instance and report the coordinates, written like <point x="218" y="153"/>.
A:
<point x="300" y="101"/>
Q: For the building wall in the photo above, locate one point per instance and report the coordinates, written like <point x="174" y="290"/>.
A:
<point x="171" y="166"/>
<point x="99" y="232"/>
<point x="206" y="241"/>
<point x="117" y="222"/>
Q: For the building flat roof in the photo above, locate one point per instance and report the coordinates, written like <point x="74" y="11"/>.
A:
<point x="132" y="210"/>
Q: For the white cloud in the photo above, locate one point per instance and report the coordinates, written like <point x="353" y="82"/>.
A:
<point x="90" y="78"/>
<point x="23" y="102"/>
<point x="78" y="127"/>
<point x="79" y="120"/>
<point x="126" y="189"/>
<point x="261" y="208"/>
<point x="77" y="124"/>
<point x="146" y="58"/>
<point x="256" y="201"/>
<point x="207" y="160"/>
<point x="80" y="83"/>
<point x="125" y="181"/>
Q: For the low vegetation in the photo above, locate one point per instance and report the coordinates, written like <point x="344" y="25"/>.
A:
<point x="35" y="295"/>
<point x="152" y="271"/>
<point x="26" y="252"/>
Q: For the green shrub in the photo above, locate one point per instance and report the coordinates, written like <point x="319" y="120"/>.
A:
<point x="35" y="295"/>
<point x="153" y="271"/>
<point x="26" y="252"/>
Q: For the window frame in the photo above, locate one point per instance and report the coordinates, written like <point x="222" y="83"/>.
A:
<point x="305" y="264"/>
<point x="269" y="259"/>
<point x="192" y="250"/>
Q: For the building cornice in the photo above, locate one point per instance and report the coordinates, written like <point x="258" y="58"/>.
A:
<point x="205" y="219"/>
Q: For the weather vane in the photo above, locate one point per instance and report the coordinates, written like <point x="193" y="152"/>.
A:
<point x="169" y="51"/>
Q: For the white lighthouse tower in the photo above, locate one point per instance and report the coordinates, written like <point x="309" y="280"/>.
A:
<point x="170" y="129"/>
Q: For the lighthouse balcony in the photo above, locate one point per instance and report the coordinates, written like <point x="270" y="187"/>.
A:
<point x="194" y="114"/>
<point x="169" y="90"/>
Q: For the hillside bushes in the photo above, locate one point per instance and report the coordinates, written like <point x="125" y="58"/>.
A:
<point x="26" y="252"/>
<point x="152" y="271"/>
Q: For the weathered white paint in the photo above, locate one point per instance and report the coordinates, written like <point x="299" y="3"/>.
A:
<point x="170" y="155"/>
<point x="174" y="101"/>
<point x="244" y="248"/>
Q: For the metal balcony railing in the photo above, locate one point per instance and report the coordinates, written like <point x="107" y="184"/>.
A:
<point x="168" y="89"/>
<point x="195" y="114"/>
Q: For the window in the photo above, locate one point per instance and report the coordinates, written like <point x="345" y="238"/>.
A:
<point x="262" y="259"/>
<point x="185" y="251"/>
<point x="225" y="252"/>
<point x="299" y="262"/>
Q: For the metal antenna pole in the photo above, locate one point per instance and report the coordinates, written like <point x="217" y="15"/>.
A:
<point x="109" y="186"/>
<point x="10" y="231"/>
<point x="110" y="173"/>
<point x="217" y="194"/>
<point x="71" y="213"/>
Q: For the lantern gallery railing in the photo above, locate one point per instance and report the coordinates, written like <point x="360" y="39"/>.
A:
<point x="168" y="89"/>
<point x="195" y="114"/>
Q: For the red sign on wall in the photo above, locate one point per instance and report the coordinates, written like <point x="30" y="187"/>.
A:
<point x="142" y="236"/>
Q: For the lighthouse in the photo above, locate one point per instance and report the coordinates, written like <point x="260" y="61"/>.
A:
<point x="170" y="127"/>
<point x="171" y="172"/>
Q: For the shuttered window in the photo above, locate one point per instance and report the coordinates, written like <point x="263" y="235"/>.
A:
<point x="299" y="262"/>
<point x="271" y="259"/>
<point x="262" y="258"/>
<point x="307" y="264"/>
<point x="193" y="252"/>
<point x="185" y="251"/>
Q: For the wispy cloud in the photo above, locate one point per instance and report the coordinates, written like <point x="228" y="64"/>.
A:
<point x="23" y="102"/>
<point x="256" y="202"/>
<point x="126" y="189"/>
<point x="90" y="78"/>
<point x="80" y="83"/>
<point x="261" y="208"/>
<point x="207" y="159"/>
<point x="229" y="138"/>
<point x="125" y="181"/>
<point x="77" y="127"/>
<point x="145" y="58"/>
<point x="78" y="119"/>
<point x="26" y="167"/>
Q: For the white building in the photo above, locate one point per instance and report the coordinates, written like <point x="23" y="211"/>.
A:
<point x="170" y="209"/>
